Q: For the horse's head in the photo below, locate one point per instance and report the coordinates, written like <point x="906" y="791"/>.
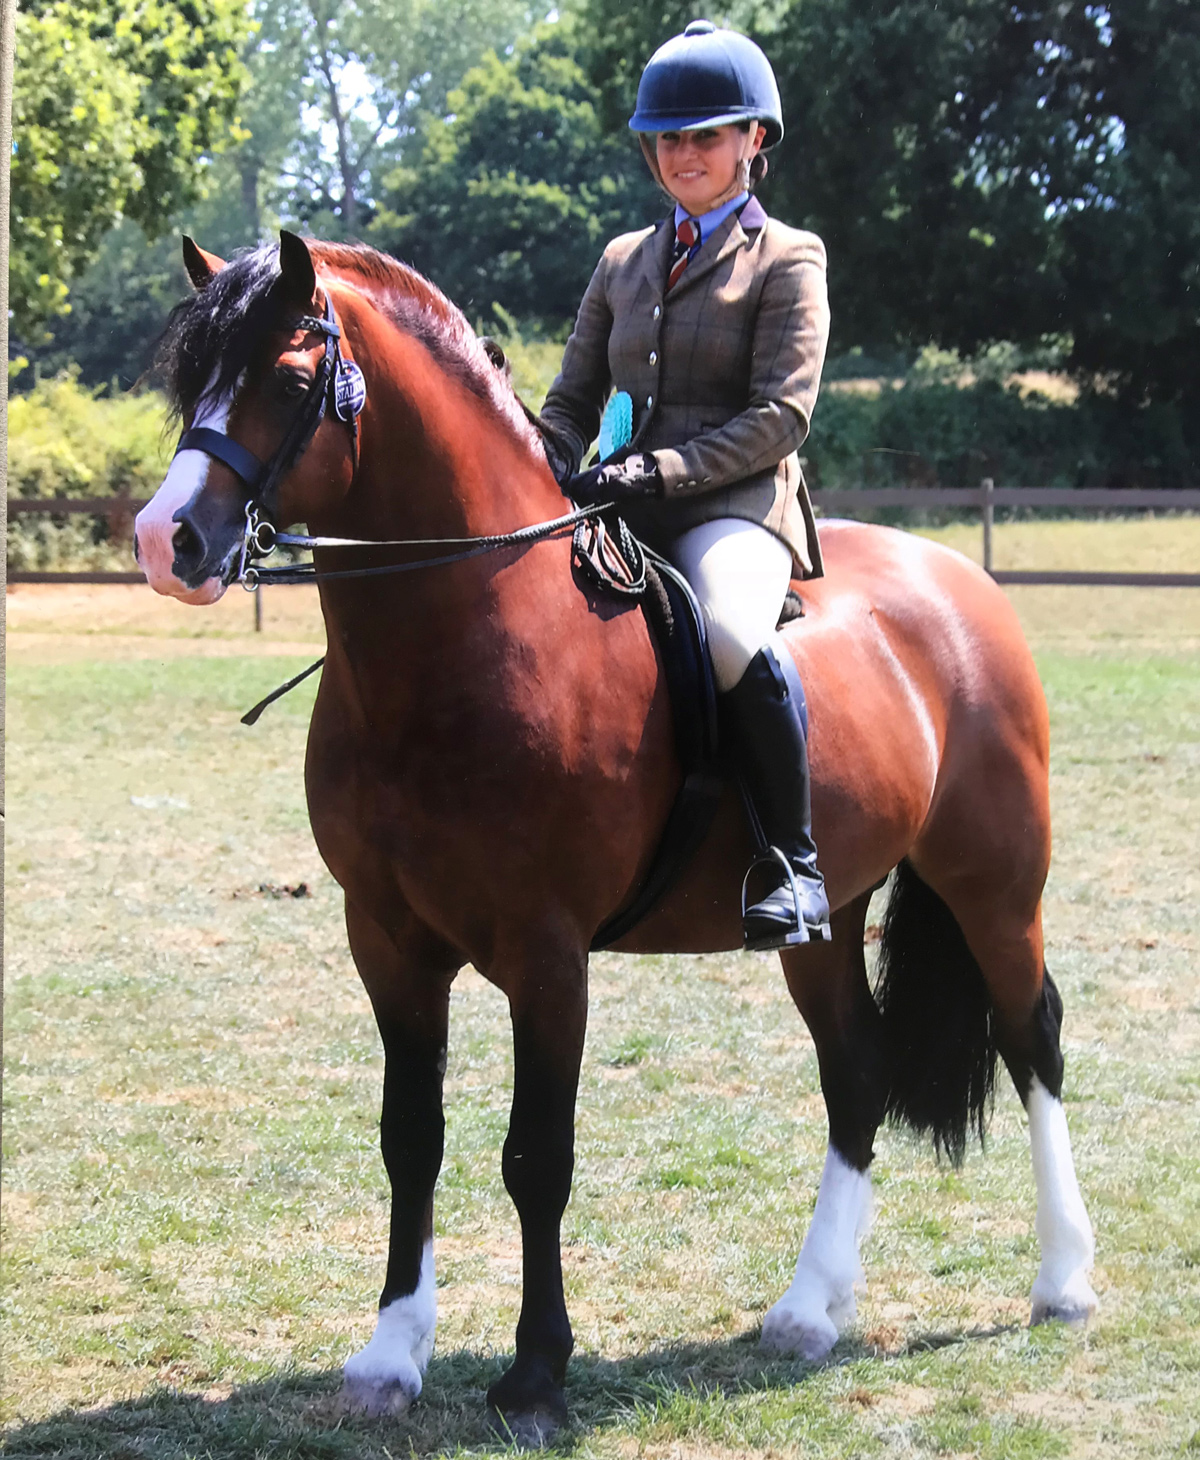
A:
<point x="252" y="363"/>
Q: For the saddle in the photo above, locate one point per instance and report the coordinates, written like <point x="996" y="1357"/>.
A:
<point x="610" y="560"/>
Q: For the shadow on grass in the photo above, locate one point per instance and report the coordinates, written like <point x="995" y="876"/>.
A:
<point x="294" y="1416"/>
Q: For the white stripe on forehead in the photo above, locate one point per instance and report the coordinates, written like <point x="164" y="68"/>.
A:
<point x="156" y="526"/>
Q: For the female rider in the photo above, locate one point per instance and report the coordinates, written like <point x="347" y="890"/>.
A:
<point x="715" y="322"/>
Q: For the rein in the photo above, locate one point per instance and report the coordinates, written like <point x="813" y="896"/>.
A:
<point x="339" y="382"/>
<point x="261" y="537"/>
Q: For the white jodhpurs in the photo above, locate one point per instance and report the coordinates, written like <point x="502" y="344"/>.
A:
<point x="740" y="573"/>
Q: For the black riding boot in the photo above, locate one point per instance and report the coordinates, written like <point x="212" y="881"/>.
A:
<point x="767" y="717"/>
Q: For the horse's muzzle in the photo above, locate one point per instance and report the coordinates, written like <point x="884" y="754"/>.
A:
<point x="187" y="540"/>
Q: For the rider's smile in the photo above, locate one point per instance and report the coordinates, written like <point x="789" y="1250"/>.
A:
<point x="699" y="167"/>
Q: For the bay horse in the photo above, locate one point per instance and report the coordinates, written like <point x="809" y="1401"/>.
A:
<point x="491" y="762"/>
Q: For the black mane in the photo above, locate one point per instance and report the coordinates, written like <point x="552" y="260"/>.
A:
<point x="216" y="331"/>
<point x="213" y="335"/>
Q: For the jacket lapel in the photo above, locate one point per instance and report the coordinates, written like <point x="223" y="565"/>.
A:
<point x="657" y="250"/>
<point x="730" y="236"/>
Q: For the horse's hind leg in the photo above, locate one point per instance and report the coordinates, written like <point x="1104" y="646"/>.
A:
<point x="828" y="982"/>
<point x="409" y="985"/>
<point x="1028" y="1015"/>
<point x="1002" y="929"/>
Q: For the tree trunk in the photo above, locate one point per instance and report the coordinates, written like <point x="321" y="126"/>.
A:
<point x="249" y="167"/>
<point x="349" y="201"/>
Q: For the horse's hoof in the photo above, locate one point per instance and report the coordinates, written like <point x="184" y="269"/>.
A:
<point x="1075" y="1303"/>
<point x="788" y="1330"/>
<point x="526" y="1404"/>
<point x="393" y="1396"/>
<point x="528" y="1429"/>
<point x="1074" y="1313"/>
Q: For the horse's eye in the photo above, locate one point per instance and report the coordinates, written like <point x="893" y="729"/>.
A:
<point x="291" y="385"/>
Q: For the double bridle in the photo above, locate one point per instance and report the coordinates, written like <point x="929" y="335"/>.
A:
<point x="338" y="383"/>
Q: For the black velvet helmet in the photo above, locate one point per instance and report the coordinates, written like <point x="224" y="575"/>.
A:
<point x="705" y="78"/>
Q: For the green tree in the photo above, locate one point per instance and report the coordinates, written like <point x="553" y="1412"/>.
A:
<point x="518" y="190"/>
<point x="116" y="110"/>
<point x="982" y="171"/>
<point x="367" y="72"/>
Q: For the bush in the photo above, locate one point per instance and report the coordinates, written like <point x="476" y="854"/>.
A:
<point x="931" y="429"/>
<point x="63" y="441"/>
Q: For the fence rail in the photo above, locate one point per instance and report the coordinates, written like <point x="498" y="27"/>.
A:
<point x="985" y="498"/>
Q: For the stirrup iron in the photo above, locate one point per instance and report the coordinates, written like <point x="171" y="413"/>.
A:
<point x="802" y="932"/>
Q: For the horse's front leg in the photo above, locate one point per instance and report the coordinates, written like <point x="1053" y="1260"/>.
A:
<point x="408" y="979"/>
<point x="548" y="999"/>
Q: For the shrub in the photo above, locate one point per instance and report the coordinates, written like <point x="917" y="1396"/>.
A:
<point x="64" y="441"/>
<point x="928" y="430"/>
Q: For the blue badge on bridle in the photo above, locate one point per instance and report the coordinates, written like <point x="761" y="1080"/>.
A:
<point x="350" y="390"/>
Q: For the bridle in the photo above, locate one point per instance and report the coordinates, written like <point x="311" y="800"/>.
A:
<point x="338" y="384"/>
<point x="335" y="378"/>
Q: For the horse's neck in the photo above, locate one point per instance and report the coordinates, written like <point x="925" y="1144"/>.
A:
<point x="436" y="461"/>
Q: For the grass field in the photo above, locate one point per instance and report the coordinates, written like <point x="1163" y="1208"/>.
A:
<point x="195" y="1209"/>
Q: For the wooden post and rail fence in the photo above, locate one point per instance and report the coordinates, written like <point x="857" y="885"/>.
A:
<point x="845" y="502"/>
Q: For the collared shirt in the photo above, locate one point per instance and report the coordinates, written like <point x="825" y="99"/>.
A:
<point x="712" y="219"/>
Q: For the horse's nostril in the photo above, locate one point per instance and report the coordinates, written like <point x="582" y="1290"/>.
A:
<point x="187" y="544"/>
<point x="137" y="551"/>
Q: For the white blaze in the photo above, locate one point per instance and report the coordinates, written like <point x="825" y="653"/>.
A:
<point x="155" y="527"/>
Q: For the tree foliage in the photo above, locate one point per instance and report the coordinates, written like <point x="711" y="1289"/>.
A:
<point x="364" y="73"/>
<point x="982" y="171"/>
<point x="516" y="193"/>
<point x="115" y="110"/>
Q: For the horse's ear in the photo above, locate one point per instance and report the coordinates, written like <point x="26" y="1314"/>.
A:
<point x="296" y="268"/>
<point x="200" y="265"/>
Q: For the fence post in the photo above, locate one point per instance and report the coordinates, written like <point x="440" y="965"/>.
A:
<point x="987" y="510"/>
<point x="258" y="608"/>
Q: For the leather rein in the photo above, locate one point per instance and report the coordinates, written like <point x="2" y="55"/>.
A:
<point x="339" y="383"/>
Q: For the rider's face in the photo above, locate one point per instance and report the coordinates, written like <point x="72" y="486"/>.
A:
<point x="700" y="165"/>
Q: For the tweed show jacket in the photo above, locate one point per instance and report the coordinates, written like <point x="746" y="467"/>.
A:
<point x="723" y="372"/>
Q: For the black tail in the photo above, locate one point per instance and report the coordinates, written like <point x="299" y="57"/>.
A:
<point x="937" y="1019"/>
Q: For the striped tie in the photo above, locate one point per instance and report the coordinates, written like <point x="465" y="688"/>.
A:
<point x="687" y="236"/>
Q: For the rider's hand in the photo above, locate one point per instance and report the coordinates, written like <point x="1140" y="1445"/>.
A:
<point x="617" y="481"/>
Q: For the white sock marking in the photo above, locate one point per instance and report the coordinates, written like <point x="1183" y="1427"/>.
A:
<point x="1061" y="1289"/>
<point x="155" y="526"/>
<point x="386" y="1374"/>
<point x="806" y="1319"/>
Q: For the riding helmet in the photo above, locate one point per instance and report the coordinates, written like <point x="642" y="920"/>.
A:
<point x="705" y="78"/>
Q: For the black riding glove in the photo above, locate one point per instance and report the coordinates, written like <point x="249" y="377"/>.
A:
<point x="617" y="481"/>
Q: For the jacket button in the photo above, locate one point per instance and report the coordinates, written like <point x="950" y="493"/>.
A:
<point x="657" y="310"/>
<point x="654" y="357"/>
<point x="649" y="402"/>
